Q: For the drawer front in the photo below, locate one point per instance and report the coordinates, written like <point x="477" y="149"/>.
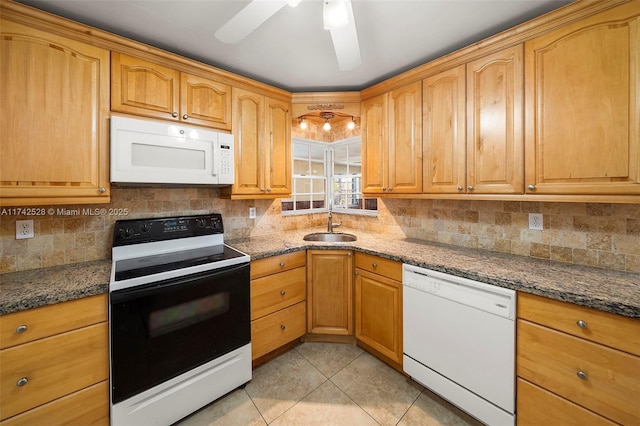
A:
<point x="275" y="292"/>
<point x="379" y="265"/>
<point x="53" y="367"/>
<point x="275" y="264"/>
<point x="536" y="406"/>
<point x="32" y="324"/>
<point x="271" y="332"/>
<point x="553" y="360"/>
<point x="601" y="327"/>
<point x="89" y="406"/>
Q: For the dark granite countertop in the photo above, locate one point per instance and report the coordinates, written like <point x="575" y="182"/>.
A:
<point x="606" y="290"/>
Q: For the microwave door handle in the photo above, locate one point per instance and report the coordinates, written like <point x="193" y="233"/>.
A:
<point x="215" y="153"/>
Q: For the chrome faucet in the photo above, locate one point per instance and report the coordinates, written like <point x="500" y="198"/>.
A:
<point x="332" y="225"/>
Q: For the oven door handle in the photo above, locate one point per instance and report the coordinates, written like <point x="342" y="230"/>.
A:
<point x="132" y="293"/>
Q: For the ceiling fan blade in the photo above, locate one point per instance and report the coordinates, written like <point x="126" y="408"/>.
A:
<point x="248" y="19"/>
<point x="345" y="43"/>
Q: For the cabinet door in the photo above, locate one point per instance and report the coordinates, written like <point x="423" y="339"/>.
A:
<point x="444" y="137"/>
<point x="329" y="292"/>
<point x="144" y="88"/>
<point x="374" y="145"/>
<point x="205" y="102"/>
<point x="54" y="97"/>
<point x="583" y="113"/>
<point x="405" y="140"/>
<point x="278" y="148"/>
<point x="494" y="123"/>
<point x="378" y="313"/>
<point x="248" y="130"/>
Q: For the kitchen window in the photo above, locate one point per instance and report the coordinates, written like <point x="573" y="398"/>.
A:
<point x="327" y="175"/>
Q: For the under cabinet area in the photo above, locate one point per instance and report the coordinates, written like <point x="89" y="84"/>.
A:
<point x="55" y="364"/>
<point x="150" y="89"/>
<point x="378" y="306"/>
<point x="577" y="360"/>
<point x="330" y="292"/>
<point x="54" y="94"/>
<point x="278" y="302"/>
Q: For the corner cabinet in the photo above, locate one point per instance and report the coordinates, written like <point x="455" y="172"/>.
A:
<point x="54" y="97"/>
<point x="485" y="156"/>
<point x="153" y="90"/>
<point x="330" y="292"/>
<point x="392" y="142"/>
<point x="262" y="132"/>
<point x="55" y="364"/>
<point x="378" y="306"/>
<point x="583" y="106"/>
<point x="580" y="364"/>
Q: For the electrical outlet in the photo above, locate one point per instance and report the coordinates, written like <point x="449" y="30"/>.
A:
<point x="252" y="212"/>
<point x="24" y="229"/>
<point x="535" y="221"/>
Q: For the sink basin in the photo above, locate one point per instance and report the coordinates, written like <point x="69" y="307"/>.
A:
<point x="335" y="237"/>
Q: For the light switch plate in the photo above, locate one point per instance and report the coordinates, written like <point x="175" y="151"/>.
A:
<point x="535" y="221"/>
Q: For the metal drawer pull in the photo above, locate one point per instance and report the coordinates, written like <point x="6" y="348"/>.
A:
<point x="375" y="265"/>
<point x="282" y="264"/>
<point x="21" y="329"/>
<point x="185" y="116"/>
<point x="581" y="324"/>
<point x="282" y="327"/>
<point x="174" y="114"/>
<point x="282" y="293"/>
<point x="23" y="381"/>
<point x="582" y="375"/>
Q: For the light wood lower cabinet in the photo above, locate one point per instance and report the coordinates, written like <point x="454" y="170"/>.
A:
<point x="330" y="292"/>
<point x="278" y="302"/>
<point x="378" y="310"/>
<point x="49" y="373"/>
<point x="561" y="349"/>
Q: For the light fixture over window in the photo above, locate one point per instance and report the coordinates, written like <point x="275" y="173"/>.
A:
<point x="327" y="116"/>
<point x="334" y="14"/>
<point x="302" y="122"/>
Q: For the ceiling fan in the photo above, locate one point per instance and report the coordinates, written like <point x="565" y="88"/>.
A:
<point x="337" y="17"/>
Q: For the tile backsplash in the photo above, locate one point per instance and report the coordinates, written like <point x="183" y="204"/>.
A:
<point x="601" y="235"/>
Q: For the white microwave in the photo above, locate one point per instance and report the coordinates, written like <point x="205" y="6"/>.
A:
<point x="163" y="153"/>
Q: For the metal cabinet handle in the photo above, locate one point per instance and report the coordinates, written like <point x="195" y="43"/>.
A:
<point x="282" y="292"/>
<point x="375" y="265"/>
<point x="21" y="382"/>
<point x="185" y="116"/>
<point x="384" y="188"/>
<point x="268" y="189"/>
<point x="581" y="324"/>
<point x="282" y="264"/>
<point x="460" y="187"/>
<point x="174" y="114"/>
<point x="102" y="190"/>
<point x="531" y="187"/>
<point x="21" y="329"/>
<point x="390" y="189"/>
<point x="582" y="375"/>
<point x="349" y="254"/>
<point x="470" y="188"/>
<point x="355" y="273"/>
<point x="282" y="327"/>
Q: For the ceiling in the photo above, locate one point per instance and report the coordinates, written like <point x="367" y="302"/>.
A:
<point x="291" y="50"/>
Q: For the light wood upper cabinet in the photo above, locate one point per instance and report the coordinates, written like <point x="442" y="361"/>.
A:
<point x="444" y="137"/>
<point x="494" y="123"/>
<point x="330" y="292"/>
<point x="54" y="97"/>
<point x="582" y="106"/>
<point x="262" y="131"/>
<point x="146" y="88"/>
<point x="392" y="142"/>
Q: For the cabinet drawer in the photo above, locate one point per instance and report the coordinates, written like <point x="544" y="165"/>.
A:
<point x="379" y="265"/>
<point x="553" y="360"/>
<point x="272" y="331"/>
<point x="537" y="406"/>
<point x="53" y="367"/>
<point x="601" y="327"/>
<point x="275" y="264"/>
<point x="53" y="319"/>
<point x="89" y="406"/>
<point x="277" y="291"/>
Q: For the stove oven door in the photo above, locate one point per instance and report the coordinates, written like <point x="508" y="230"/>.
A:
<point x="161" y="330"/>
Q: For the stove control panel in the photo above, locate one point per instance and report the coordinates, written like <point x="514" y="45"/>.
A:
<point x="137" y="231"/>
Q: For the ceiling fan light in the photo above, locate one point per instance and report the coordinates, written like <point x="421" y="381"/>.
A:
<point x="334" y="14"/>
<point x="326" y="126"/>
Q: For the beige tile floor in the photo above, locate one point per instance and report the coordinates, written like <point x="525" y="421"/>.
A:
<point x="329" y="384"/>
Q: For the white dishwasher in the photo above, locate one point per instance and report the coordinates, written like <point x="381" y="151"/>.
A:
<point x="459" y="341"/>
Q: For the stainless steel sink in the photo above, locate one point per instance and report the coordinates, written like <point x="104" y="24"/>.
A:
<point x="335" y="237"/>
